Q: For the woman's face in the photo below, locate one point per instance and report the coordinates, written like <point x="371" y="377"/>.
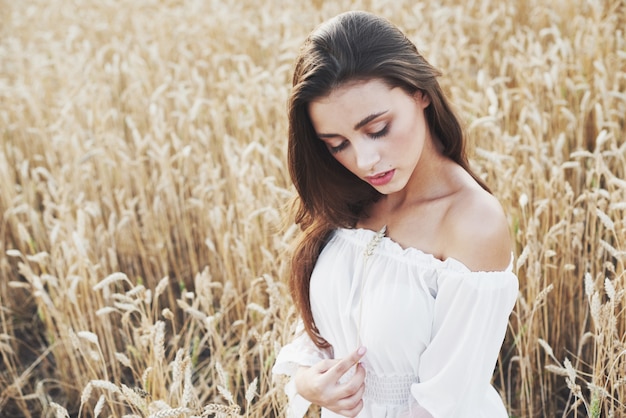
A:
<point x="376" y="132"/>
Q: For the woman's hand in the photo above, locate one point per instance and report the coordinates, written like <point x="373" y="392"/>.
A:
<point x="320" y="384"/>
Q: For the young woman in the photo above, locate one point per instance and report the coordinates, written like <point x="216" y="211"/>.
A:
<point x="402" y="276"/>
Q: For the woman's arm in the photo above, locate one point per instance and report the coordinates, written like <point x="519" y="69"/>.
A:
<point x="469" y="325"/>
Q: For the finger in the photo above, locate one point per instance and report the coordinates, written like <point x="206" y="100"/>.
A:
<point x="359" y="375"/>
<point x="352" y="385"/>
<point x="353" y="390"/>
<point x="353" y="411"/>
<point x="324" y="365"/>
<point x="348" y="362"/>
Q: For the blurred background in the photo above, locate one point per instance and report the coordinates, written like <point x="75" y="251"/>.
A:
<point x="143" y="193"/>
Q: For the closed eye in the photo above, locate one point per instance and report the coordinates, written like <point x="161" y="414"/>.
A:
<point x="380" y="133"/>
<point x="337" y="148"/>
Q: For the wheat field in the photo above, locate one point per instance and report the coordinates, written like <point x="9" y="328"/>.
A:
<point x="143" y="192"/>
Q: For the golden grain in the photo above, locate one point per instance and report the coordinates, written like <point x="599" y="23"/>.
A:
<point x="60" y="412"/>
<point x="112" y="278"/>
<point x="133" y="397"/>
<point x="143" y="185"/>
<point x="103" y="384"/>
<point x="173" y="412"/>
<point x="188" y="398"/>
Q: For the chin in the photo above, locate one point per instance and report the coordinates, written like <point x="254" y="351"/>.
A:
<point x="388" y="189"/>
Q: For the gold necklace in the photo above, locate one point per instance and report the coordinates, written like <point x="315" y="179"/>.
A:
<point x="369" y="251"/>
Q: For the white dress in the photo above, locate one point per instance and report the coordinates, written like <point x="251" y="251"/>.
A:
<point x="433" y="329"/>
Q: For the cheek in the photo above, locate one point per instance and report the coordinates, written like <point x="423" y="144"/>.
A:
<point x="403" y="140"/>
<point x="413" y="134"/>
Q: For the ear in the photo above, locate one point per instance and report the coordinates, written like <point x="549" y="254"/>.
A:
<point x="422" y="99"/>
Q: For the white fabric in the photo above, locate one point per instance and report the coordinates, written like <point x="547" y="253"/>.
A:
<point x="433" y="329"/>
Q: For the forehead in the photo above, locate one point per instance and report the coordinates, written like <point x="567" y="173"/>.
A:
<point x="350" y="102"/>
<point x="355" y="88"/>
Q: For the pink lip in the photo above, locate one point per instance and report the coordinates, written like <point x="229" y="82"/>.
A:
<point x="381" y="179"/>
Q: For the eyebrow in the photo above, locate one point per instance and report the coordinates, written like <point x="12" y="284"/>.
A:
<point x="359" y="125"/>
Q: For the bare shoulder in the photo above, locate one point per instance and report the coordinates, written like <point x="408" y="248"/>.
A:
<point x="478" y="231"/>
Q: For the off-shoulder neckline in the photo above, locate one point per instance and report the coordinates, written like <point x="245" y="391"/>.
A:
<point x="394" y="248"/>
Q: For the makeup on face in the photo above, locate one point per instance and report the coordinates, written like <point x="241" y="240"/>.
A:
<point x="375" y="131"/>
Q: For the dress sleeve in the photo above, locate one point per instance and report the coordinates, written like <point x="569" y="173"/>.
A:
<point x="471" y="314"/>
<point x="301" y="351"/>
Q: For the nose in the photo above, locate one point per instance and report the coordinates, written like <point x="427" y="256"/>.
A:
<point x="367" y="155"/>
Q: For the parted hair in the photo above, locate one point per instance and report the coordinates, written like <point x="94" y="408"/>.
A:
<point x="351" y="47"/>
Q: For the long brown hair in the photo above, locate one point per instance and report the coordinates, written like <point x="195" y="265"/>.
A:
<point x="352" y="46"/>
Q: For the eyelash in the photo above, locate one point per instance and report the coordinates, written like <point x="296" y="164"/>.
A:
<point x="335" y="150"/>
<point x="380" y="133"/>
<point x="374" y="135"/>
